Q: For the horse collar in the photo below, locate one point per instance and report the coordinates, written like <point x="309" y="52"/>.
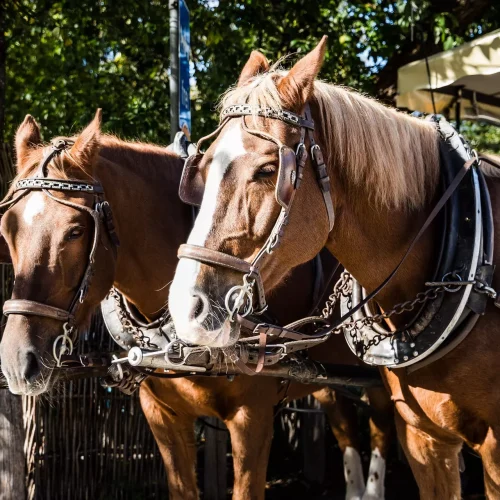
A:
<point x="459" y="288"/>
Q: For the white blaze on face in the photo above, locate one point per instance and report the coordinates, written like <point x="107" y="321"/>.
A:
<point x="353" y="473"/>
<point x="35" y="205"/>
<point x="229" y="147"/>
<point x="375" y="489"/>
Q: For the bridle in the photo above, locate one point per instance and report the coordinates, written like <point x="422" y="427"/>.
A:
<point x="101" y="214"/>
<point x="239" y="300"/>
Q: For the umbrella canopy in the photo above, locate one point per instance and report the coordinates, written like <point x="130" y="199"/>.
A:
<point x="465" y="81"/>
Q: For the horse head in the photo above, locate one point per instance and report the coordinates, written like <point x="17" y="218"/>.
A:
<point x="249" y="174"/>
<point x="62" y="256"/>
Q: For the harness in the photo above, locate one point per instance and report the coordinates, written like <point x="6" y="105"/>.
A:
<point x="465" y="266"/>
<point x="101" y="214"/>
<point x="458" y="292"/>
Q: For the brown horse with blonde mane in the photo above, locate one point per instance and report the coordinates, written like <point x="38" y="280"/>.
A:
<point x="381" y="174"/>
<point x="50" y="243"/>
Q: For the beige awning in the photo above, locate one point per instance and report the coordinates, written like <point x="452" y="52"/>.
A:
<point x="470" y="73"/>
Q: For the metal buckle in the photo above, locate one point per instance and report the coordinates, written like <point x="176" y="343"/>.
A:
<point x="244" y="299"/>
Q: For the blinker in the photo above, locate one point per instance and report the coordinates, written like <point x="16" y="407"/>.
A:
<point x="192" y="185"/>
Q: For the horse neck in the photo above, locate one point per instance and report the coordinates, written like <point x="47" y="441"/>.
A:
<point x="151" y="221"/>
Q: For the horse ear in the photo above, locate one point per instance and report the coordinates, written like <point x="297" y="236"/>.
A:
<point x="257" y="63"/>
<point x="27" y="139"/>
<point x="298" y="85"/>
<point x="87" y="144"/>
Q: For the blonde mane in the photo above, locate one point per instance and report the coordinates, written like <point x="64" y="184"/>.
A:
<point x="391" y="156"/>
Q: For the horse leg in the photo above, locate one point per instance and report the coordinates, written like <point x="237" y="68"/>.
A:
<point x="343" y="420"/>
<point x="490" y="454"/>
<point x="176" y="441"/>
<point x="251" y="429"/>
<point x="381" y="422"/>
<point x="434" y="463"/>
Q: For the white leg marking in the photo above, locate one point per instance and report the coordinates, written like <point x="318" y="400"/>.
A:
<point x="353" y="473"/>
<point x="34" y="206"/>
<point x="229" y="148"/>
<point x="375" y="489"/>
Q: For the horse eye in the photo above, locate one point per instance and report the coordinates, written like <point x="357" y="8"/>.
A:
<point x="75" y="233"/>
<point x="265" y="171"/>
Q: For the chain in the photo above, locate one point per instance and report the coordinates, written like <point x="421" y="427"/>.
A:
<point x="343" y="289"/>
<point x="128" y="326"/>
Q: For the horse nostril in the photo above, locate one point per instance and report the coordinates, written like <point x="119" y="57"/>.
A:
<point x="198" y="307"/>
<point x="31" y="368"/>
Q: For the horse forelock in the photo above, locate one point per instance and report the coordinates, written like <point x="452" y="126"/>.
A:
<point x="388" y="157"/>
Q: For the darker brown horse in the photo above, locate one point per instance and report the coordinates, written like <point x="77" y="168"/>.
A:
<point x="50" y="245"/>
<point x="381" y="173"/>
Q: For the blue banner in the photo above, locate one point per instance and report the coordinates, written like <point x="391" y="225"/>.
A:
<point x="184" y="77"/>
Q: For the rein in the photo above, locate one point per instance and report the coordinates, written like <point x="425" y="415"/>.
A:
<point x="101" y="214"/>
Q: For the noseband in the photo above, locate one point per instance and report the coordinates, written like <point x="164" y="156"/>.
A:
<point x="100" y="213"/>
<point x="239" y="300"/>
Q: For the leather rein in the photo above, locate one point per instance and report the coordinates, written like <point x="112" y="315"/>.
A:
<point x="100" y="213"/>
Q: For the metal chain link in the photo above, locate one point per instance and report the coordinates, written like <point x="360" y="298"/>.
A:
<point x="342" y="288"/>
<point x="353" y="326"/>
<point x="128" y="326"/>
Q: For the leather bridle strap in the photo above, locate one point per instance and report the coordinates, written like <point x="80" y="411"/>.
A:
<point x="213" y="257"/>
<point x="100" y="212"/>
<point x="220" y="259"/>
<point x="32" y="308"/>
<point x="321" y="172"/>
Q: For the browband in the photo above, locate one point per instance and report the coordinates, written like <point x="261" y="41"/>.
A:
<point x="235" y="110"/>
<point x="58" y="185"/>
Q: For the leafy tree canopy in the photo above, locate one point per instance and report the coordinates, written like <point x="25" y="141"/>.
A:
<point x="66" y="58"/>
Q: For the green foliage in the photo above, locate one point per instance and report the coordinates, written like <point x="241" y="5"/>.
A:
<point x="68" y="57"/>
<point x="65" y="59"/>
<point x="483" y="137"/>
